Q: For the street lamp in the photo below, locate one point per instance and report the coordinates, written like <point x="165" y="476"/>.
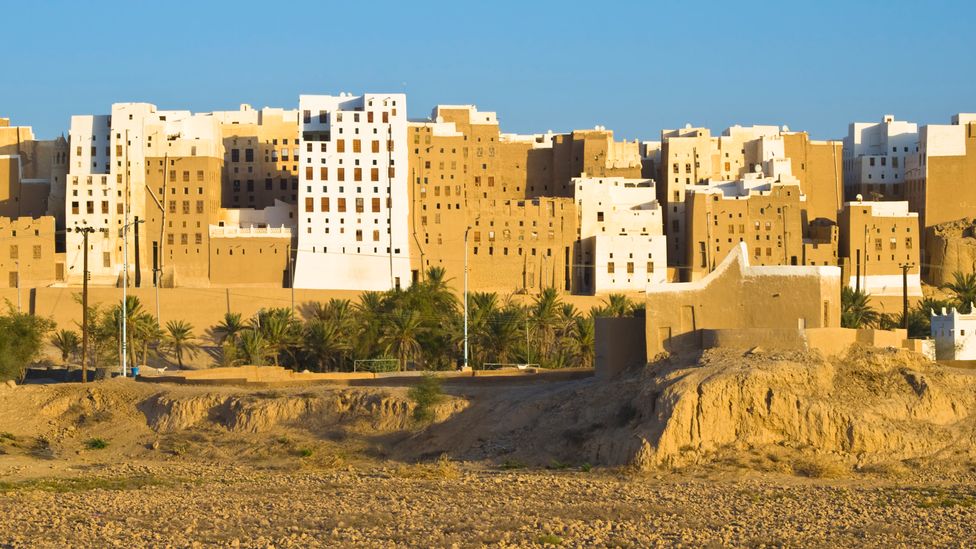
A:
<point x="125" y="288"/>
<point x="466" y="231"/>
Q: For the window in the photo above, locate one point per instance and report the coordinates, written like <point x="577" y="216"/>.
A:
<point x="376" y="145"/>
<point x="104" y="207"/>
<point x="650" y="267"/>
<point x="198" y="239"/>
<point x="357" y="174"/>
<point x="357" y="146"/>
<point x="374" y="174"/>
<point x="325" y="203"/>
<point x="90" y="207"/>
<point x="37" y="251"/>
<point x="376" y="235"/>
<point x="359" y="205"/>
<point x="599" y="216"/>
<point x="106" y="260"/>
<point x="14" y="254"/>
<point x="169" y="239"/>
<point x="183" y="239"/>
<point x="341" y="174"/>
<point x="323" y="173"/>
<point x="630" y="267"/>
<point x="610" y="268"/>
<point x="908" y="243"/>
<point x="309" y="173"/>
<point x="376" y="205"/>
<point x="186" y="206"/>
<point x="359" y="235"/>
<point x="74" y="208"/>
<point x="341" y="145"/>
<point x="342" y="204"/>
<point x="199" y="206"/>
<point x="309" y="204"/>
<point x="307" y="117"/>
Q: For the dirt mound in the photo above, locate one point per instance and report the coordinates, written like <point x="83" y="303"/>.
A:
<point x="872" y="406"/>
<point x="376" y="411"/>
<point x="869" y="408"/>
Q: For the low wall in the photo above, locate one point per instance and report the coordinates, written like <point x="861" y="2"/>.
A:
<point x="747" y="338"/>
<point x="201" y="307"/>
<point x="619" y="344"/>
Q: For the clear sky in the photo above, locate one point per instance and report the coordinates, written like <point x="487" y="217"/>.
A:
<point x="634" y="67"/>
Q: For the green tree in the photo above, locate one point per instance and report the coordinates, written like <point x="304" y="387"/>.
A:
<point x="856" y="311"/>
<point x="21" y="340"/>
<point x="179" y="340"/>
<point x="618" y="305"/>
<point x="963" y="290"/>
<point x="580" y="342"/>
<point x="400" y="335"/>
<point x="67" y="342"/>
<point x="252" y="348"/>
<point x="504" y="334"/>
<point x="324" y="341"/>
<point x="229" y="328"/>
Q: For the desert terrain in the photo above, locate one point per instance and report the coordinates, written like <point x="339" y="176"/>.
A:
<point x="735" y="449"/>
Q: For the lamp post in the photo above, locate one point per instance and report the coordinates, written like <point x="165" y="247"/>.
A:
<point x="466" y="231"/>
<point x="125" y="288"/>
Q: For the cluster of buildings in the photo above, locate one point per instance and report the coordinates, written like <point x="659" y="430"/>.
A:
<point x="347" y="192"/>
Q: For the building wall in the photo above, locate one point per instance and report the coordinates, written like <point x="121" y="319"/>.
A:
<point x="738" y="295"/>
<point x="260" y="157"/>
<point x="249" y="257"/>
<point x="177" y="228"/>
<point x="111" y="151"/>
<point x="768" y="222"/>
<point x="353" y="197"/>
<point x="942" y="177"/>
<point x="885" y="235"/>
<point x="622" y="244"/>
<point x="27" y="254"/>
<point x="818" y="165"/>
<point x="954" y="334"/>
<point x="874" y="158"/>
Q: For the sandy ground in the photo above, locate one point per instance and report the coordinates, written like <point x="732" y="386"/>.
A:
<point x="126" y="464"/>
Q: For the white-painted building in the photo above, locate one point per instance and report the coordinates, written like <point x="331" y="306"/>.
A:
<point x="875" y="155"/>
<point x="107" y="171"/>
<point x="352" y="195"/>
<point x="954" y="334"/>
<point x="622" y="242"/>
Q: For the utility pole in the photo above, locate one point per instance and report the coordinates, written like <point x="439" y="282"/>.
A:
<point x="466" y="231"/>
<point x="904" y="293"/>
<point x="85" y="231"/>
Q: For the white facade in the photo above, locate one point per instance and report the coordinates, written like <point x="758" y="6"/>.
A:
<point x="622" y="240"/>
<point x="875" y="156"/>
<point x="352" y="195"/>
<point x="954" y="334"/>
<point x="108" y="152"/>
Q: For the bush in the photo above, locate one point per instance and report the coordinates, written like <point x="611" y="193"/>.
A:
<point x="426" y="395"/>
<point x="21" y="339"/>
<point x="96" y="444"/>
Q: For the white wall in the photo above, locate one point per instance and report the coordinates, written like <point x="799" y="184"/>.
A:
<point x="954" y="335"/>
<point x="329" y="254"/>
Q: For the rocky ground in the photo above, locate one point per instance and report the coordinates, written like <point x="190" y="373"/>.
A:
<point x="446" y="504"/>
<point x="875" y="449"/>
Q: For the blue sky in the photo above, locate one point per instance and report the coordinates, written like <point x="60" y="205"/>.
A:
<point x="635" y="67"/>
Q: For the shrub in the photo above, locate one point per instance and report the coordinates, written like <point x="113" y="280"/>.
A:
<point x="426" y="395"/>
<point x="96" y="444"/>
<point x="549" y="539"/>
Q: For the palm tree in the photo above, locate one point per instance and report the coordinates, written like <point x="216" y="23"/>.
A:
<point x="963" y="290"/>
<point x="400" y="335"/>
<point x="546" y="317"/>
<point x="856" y="311"/>
<point x="253" y="348"/>
<point x="67" y="342"/>
<point x="229" y="328"/>
<point x="324" y="340"/>
<point x="277" y="328"/>
<point x="580" y="341"/>
<point x="179" y="340"/>
<point x="504" y="334"/>
<point x="618" y="305"/>
<point x="368" y="315"/>
<point x="145" y="332"/>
